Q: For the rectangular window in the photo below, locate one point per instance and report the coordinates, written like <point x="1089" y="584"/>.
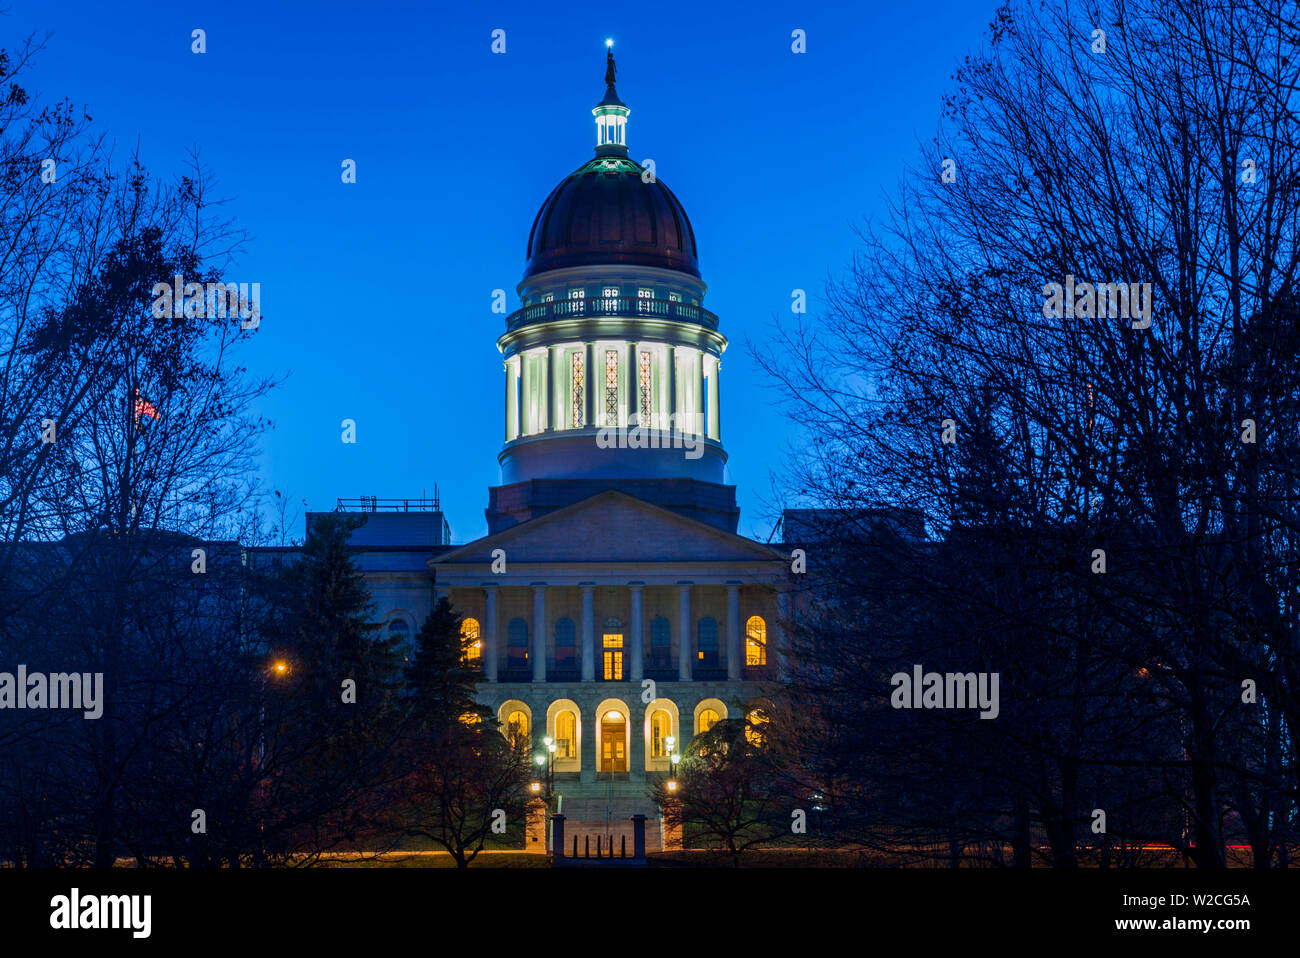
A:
<point x="548" y="297"/>
<point x="611" y="292"/>
<point x="674" y="297"/>
<point x="643" y="381"/>
<point x="611" y="387"/>
<point x="645" y="294"/>
<point x="613" y="658"/>
<point x="577" y="294"/>
<point x="579" y="394"/>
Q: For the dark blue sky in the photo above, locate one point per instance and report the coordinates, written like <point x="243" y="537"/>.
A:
<point x="376" y="296"/>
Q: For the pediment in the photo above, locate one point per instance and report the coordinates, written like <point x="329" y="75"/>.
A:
<point x="612" y="527"/>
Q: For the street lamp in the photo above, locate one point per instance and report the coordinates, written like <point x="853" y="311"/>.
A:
<point x="536" y="787"/>
<point x="672" y="764"/>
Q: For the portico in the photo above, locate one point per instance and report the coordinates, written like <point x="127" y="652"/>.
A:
<point x="678" y="612"/>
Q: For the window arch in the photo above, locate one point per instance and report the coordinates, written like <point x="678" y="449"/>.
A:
<point x="471" y="641"/>
<point x="661" y="726"/>
<point x="564" y="726"/>
<point x="660" y="644"/>
<point x="566" y="735"/>
<point x="566" y="646"/>
<point x="517" y="729"/>
<point x="517" y="644"/>
<point x="756" y="641"/>
<point x="707" y="650"/>
<point x="708" y="712"/>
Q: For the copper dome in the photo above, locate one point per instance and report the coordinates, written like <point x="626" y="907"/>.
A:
<point x="604" y="214"/>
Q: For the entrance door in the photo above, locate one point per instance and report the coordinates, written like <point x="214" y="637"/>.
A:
<point x="613" y="743"/>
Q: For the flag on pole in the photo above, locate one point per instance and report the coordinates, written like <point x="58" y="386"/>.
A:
<point x="144" y="407"/>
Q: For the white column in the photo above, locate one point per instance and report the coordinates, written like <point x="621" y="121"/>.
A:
<point x="633" y="385"/>
<point x="490" y="633"/>
<point x="588" y="636"/>
<point x="685" y="634"/>
<point x="590" y="382"/>
<point x="715" y="398"/>
<point x="672" y="388"/>
<point x="734" y="650"/>
<point x="510" y="402"/>
<point x="539" y="632"/>
<point x="635" y="650"/>
<point x="703" y="405"/>
<point x="550" y="388"/>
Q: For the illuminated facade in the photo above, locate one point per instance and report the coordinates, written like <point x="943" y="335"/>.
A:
<point x="615" y="609"/>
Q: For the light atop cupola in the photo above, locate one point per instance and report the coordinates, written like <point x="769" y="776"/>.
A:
<point x="611" y="114"/>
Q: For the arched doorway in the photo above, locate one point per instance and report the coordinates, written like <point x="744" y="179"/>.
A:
<point x="613" y="741"/>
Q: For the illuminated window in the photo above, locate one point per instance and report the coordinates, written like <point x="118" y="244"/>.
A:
<point x="517" y="730"/>
<point x="470" y="641"/>
<point x="577" y="392"/>
<point x="660" y="644"/>
<point x="643" y="378"/>
<point x="754" y="723"/>
<point x="613" y="648"/>
<point x="566" y="735"/>
<point x="708" y="718"/>
<point x="661" y="726"/>
<point x="674" y="297"/>
<point x="566" y="651"/>
<point x="577" y="294"/>
<point x="756" y="641"/>
<point x="611" y="387"/>
<point x="548" y="297"/>
<point x="707" y="648"/>
<point x="517" y="644"/>
<point x="645" y="294"/>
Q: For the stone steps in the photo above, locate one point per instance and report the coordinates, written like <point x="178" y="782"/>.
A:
<point x="584" y="812"/>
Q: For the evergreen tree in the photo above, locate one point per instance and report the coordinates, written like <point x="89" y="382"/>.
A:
<point x="438" y="680"/>
<point x="457" y="771"/>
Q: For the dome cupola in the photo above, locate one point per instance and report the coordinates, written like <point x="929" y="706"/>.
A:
<point x="610" y="210"/>
<point x="612" y="363"/>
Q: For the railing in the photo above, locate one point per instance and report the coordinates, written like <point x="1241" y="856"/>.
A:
<point x="699" y="673"/>
<point x="611" y="306"/>
<point x="375" y="504"/>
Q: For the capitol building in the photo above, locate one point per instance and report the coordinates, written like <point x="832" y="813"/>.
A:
<point x="612" y="606"/>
